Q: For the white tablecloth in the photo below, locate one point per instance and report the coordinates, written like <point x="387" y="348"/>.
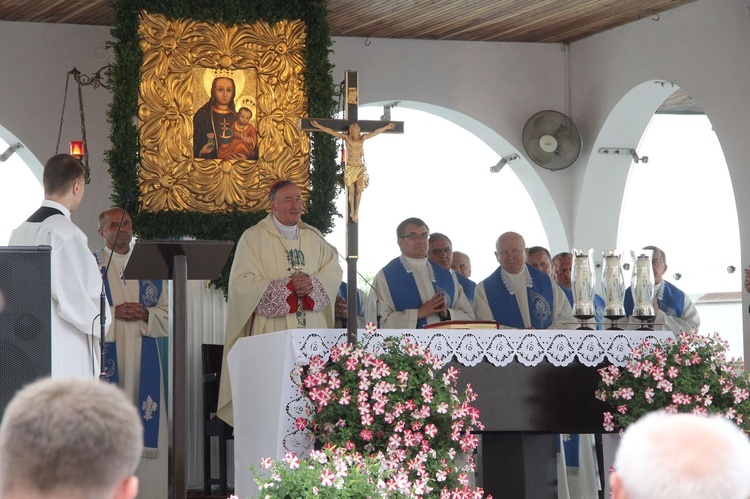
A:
<point x="267" y="399"/>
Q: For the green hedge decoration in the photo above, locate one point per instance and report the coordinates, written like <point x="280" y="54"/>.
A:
<point x="123" y="156"/>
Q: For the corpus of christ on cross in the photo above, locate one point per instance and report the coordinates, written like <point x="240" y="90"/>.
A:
<point x="353" y="132"/>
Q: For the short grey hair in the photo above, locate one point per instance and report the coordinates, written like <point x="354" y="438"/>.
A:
<point x="684" y="455"/>
<point x="79" y="436"/>
<point x="658" y="251"/>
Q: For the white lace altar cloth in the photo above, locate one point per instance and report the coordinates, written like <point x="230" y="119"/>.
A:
<point x="265" y="381"/>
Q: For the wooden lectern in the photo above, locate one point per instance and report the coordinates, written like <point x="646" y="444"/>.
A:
<point x="169" y="260"/>
<point x="523" y="409"/>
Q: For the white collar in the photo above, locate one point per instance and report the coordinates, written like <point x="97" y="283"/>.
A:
<point x="286" y="231"/>
<point x="54" y="204"/>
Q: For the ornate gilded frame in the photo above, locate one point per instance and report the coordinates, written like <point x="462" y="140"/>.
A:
<point x="176" y="56"/>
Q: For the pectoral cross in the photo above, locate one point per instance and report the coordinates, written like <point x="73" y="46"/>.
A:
<point x="351" y="116"/>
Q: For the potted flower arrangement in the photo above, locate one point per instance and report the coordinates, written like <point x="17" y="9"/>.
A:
<point x="401" y="408"/>
<point x="691" y="374"/>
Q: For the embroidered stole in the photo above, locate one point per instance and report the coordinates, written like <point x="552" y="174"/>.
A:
<point x="149" y="389"/>
<point x="403" y="286"/>
<point x="296" y="260"/>
<point x="505" y="307"/>
<point x="671" y="300"/>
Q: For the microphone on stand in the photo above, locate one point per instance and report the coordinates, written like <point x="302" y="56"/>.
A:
<point x="127" y="199"/>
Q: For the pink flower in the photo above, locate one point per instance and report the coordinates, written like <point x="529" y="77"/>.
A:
<point x="673" y="372"/>
<point x="367" y="419"/>
<point x="365" y="434"/>
<point x="622" y="409"/>
<point x="469" y="442"/>
<point x="326" y="477"/>
<point x="334" y="382"/>
<point x="351" y="364"/>
<point x="430" y="430"/>
<point x="266" y="463"/>
<point x="681" y="399"/>
<point x="740" y="394"/>
<point x="345" y="397"/>
<point x="649" y="394"/>
<point x="627" y="393"/>
<point x="427" y="393"/>
<point x="292" y="460"/>
<point x="700" y="411"/>
<point x="664" y="385"/>
<point x="300" y="423"/>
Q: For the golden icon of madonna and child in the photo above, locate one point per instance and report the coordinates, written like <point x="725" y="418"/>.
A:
<point x="223" y="127"/>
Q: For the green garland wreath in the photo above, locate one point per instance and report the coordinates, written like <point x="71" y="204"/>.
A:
<point x="123" y="157"/>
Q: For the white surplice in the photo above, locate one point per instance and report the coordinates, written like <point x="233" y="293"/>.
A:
<point x="76" y="287"/>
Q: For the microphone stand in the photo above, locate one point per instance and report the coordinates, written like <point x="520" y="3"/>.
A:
<point x="103" y="296"/>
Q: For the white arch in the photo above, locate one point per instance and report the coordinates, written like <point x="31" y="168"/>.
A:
<point x="597" y="214"/>
<point x="24" y="153"/>
<point x="548" y="211"/>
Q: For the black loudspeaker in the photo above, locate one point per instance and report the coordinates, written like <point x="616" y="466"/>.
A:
<point x="25" y="318"/>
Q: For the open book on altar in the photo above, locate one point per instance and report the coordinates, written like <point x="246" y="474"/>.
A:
<point x="463" y="325"/>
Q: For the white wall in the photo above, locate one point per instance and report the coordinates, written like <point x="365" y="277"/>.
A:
<point x="703" y="47"/>
<point x="35" y="59"/>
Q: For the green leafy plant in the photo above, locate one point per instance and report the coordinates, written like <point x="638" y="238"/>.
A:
<point x="691" y="374"/>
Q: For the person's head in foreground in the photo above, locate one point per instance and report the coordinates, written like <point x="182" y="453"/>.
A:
<point x="70" y="438"/>
<point x="682" y="456"/>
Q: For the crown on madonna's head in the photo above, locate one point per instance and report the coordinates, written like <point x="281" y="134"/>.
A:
<point x="223" y="73"/>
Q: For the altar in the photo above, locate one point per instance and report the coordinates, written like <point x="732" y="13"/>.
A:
<point x="504" y="366"/>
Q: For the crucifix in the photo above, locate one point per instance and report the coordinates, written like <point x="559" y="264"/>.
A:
<point x="353" y="132"/>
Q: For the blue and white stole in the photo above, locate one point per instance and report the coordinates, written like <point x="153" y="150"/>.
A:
<point x="504" y="306"/>
<point x="671" y="300"/>
<point x="344" y="293"/>
<point x="403" y="286"/>
<point x="468" y="285"/>
<point x="149" y="390"/>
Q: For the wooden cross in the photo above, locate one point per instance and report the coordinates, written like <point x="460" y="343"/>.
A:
<point x="351" y="116"/>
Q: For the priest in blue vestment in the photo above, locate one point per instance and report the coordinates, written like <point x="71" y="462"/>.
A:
<point x="412" y="291"/>
<point x="441" y="253"/>
<point x="561" y="272"/>
<point x="519" y="296"/>
<point x="675" y="311"/>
